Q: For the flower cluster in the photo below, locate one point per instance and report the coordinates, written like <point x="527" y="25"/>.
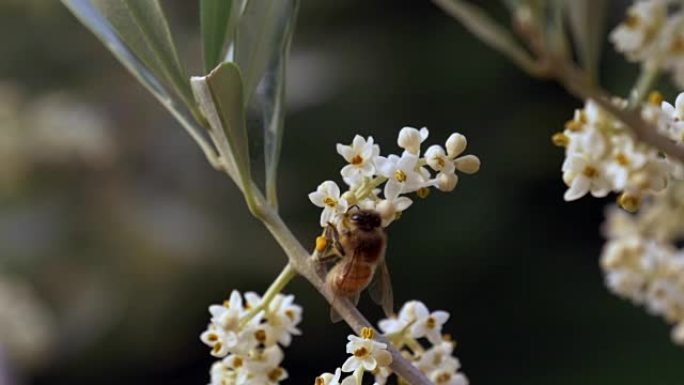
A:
<point x="414" y="322"/>
<point x="409" y="173"/>
<point x="246" y="338"/>
<point x="641" y="261"/>
<point x="366" y="355"/>
<point x="653" y="33"/>
<point x="601" y="155"/>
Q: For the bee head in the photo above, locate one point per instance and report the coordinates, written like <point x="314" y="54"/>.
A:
<point x="365" y="220"/>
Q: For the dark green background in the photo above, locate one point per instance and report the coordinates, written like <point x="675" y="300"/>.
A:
<point x="514" y="265"/>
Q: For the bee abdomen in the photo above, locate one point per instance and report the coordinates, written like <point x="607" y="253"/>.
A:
<point x="348" y="283"/>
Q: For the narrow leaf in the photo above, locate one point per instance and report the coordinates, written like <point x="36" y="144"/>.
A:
<point x="103" y="30"/>
<point x="220" y="98"/>
<point x="258" y="35"/>
<point x="272" y="99"/>
<point x="214" y="19"/>
<point x="587" y="21"/>
<point x="142" y="26"/>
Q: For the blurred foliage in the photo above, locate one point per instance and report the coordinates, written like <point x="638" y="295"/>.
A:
<point x="126" y="255"/>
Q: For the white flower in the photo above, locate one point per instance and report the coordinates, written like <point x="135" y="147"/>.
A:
<point x="262" y="366"/>
<point x="391" y="207"/>
<point x="583" y="174"/>
<point x="636" y="35"/>
<point x="360" y="156"/>
<point x="676" y="115"/>
<point x="448" y="377"/>
<point x="402" y="174"/>
<point x="625" y="158"/>
<point x="223" y="333"/>
<point x="327" y="195"/>
<point x="221" y="374"/>
<point x="438" y="357"/>
<point x="381" y="374"/>
<point x="282" y="318"/>
<point x="436" y="157"/>
<point x="428" y="324"/>
<point x="366" y="354"/>
<point x="410" y="139"/>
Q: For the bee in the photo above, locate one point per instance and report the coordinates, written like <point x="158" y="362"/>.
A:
<point x="360" y="244"/>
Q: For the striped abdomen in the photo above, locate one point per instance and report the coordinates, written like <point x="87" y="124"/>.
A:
<point x="350" y="277"/>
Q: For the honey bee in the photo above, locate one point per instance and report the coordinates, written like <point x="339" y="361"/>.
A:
<point x="360" y="244"/>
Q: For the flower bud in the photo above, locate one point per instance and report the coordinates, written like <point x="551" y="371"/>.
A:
<point x="455" y="145"/>
<point x="446" y="182"/>
<point x="468" y="164"/>
<point x="410" y="139"/>
<point x="436" y="157"/>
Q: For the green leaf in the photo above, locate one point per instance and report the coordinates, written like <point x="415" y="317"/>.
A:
<point x="85" y="11"/>
<point x="258" y="35"/>
<point x="214" y="19"/>
<point x="220" y="98"/>
<point x="587" y="21"/>
<point x="272" y="100"/>
<point x="142" y="26"/>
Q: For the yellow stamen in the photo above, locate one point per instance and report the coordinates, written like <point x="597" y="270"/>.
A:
<point x="629" y="202"/>
<point x="321" y="243"/>
<point x="357" y="160"/>
<point x="226" y="304"/>
<point x="622" y="159"/>
<point x="212" y="337"/>
<point x="367" y="333"/>
<point x="237" y="362"/>
<point x="677" y="46"/>
<point x="290" y="314"/>
<point x="400" y="176"/>
<point x="590" y="172"/>
<point x="632" y="21"/>
<point x="330" y="202"/>
<point x="275" y="374"/>
<point x="560" y="139"/>
<point x="319" y="381"/>
<point x="655" y="98"/>
<point x="573" y="125"/>
<point x="430" y="323"/>
<point x="423" y="192"/>
<point x="260" y="335"/>
<point x="217" y="347"/>
<point x="442" y="378"/>
<point x="361" y="352"/>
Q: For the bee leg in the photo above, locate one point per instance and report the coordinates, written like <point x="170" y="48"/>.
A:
<point x="332" y="234"/>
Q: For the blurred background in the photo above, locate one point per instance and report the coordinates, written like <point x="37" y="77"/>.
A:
<point x="115" y="235"/>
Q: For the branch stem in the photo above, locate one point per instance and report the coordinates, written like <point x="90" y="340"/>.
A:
<point x="300" y="260"/>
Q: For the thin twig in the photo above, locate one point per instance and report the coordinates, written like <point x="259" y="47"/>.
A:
<point x="563" y="70"/>
<point x="575" y="82"/>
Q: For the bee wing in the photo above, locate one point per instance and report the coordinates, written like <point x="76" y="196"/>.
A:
<point x="335" y="317"/>
<point x="381" y="289"/>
